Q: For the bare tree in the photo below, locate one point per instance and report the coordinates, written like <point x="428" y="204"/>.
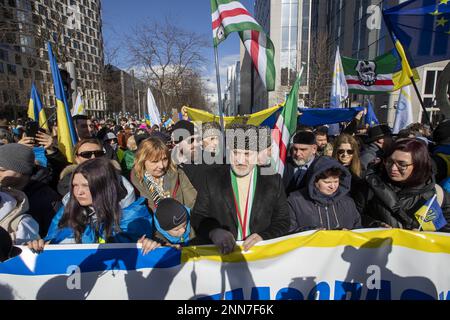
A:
<point x="320" y="72"/>
<point x="167" y="56"/>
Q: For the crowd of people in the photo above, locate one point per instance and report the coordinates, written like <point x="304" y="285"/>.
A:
<point x="191" y="184"/>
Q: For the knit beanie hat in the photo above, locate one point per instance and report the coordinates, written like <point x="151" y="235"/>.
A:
<point x="242" y="137"/>
<point x="210" y="129"/>
<point x="17" y="157"/>
<point x="170" y="213"/>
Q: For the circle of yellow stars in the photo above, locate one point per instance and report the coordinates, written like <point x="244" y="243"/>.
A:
<point x="442" y="21"/>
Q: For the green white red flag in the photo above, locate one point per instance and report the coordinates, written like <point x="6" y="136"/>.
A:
<point x="231" y="16"/>
<point x="285" y="127"/>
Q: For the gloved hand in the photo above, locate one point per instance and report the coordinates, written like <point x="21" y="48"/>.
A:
<point x="223" y="239"/>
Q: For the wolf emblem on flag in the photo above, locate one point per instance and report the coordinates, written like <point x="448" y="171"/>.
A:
<point x="220" y="33"/>
<point x="366" y="72"/>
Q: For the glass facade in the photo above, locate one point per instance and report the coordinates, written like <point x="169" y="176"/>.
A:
<point x="289" y="36"/>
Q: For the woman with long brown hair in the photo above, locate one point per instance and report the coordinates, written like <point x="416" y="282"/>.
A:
<point x="156" y="177"/>
<point x="93" y="213"/>
<point x="346" y="151"/>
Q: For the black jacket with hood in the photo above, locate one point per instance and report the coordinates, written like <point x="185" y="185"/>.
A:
<point x="310" y="209"/>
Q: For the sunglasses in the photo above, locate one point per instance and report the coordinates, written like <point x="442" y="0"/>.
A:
<point x="89" y="154"/>
<point x="342" y="151"/>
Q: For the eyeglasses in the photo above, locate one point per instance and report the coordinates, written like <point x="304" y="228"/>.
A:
<point x="89" y="154"/>
<point x="342" y="151"/>
<point x="400" y="165"/>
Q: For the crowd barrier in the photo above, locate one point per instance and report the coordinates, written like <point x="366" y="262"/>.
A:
<point x="367" y="264"/>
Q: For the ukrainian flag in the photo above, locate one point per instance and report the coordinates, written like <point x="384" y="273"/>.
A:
<point x="67" y="137"/>
<point x="430" y="215"/>
<point x="36" y="110"/>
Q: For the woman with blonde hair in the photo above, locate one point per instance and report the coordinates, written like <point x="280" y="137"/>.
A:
<point x="156" y="177"/>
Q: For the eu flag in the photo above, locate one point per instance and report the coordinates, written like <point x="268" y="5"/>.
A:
<point x="35" y="108"/>
<point x="423" y="28"/>
<point x="370" y="118"/>
<point x="67" y="137"/>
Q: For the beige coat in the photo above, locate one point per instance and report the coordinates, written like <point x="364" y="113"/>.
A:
<point x="186" y="194"/>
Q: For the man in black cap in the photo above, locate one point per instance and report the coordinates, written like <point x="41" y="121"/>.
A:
<point x="441" y="153"/>
<point x="237" y="202"/>
<point x="378" y="140"/>
<point x="303" y="152"/>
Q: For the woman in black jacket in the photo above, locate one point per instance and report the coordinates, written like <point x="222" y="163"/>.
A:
<point x="402" y="184"/>
<point x="324" y="202"/>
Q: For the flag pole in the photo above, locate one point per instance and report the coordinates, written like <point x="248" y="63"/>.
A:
<point x="426" y="213"/>
<point x="421" y="102"/>
<point x="405" y="65"/>
<point x="219" y="91"/>
<point x="219" y="97"/>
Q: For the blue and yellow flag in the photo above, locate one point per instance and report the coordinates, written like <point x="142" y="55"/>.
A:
<point x="423" y="28"/>
<point x="430" y="215"/>
<point x="35" y="108"/>
<point x="67" y="137"/>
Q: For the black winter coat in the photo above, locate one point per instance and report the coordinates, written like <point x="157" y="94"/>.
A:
<point x="310" y="209"/>
<point x="395" y="205"/>
<point x="214" y="207"/>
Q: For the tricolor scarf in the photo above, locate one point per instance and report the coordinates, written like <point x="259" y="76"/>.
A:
<point x="244" y="216"/>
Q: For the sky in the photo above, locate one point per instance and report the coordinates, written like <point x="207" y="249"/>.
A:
<point x="120" y="17"/>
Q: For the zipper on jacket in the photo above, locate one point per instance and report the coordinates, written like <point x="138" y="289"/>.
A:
<point x="335" y="216"/>
<point x="328" y="218"/>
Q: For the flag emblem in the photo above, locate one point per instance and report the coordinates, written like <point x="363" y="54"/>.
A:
<point x="366" y="72"/>
<point x="220" y="33"/>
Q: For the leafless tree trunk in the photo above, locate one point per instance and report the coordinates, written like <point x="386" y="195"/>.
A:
<point x="321" y="72"/>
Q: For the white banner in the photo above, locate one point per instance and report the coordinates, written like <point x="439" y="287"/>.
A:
<point x="367" y="264"/>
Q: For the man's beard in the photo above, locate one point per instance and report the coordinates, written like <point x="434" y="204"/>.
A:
<point x="300" y="163"/>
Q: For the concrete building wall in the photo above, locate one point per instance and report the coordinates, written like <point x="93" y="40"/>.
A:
<point x="75" y="29"/>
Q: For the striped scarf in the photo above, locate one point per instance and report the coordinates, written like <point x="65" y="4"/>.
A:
<point x="156" y="191"/>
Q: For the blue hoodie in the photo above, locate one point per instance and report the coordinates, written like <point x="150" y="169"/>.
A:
<point x="135" y="222"/>
<point x="310" y="209"/>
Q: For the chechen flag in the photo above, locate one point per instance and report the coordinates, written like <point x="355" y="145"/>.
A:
<point x="285" y="128"/>
<point x="386" y="73"/>
<point x="231" y="16"/>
